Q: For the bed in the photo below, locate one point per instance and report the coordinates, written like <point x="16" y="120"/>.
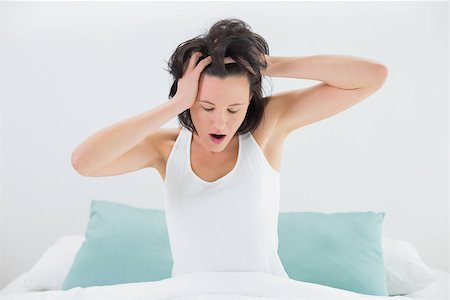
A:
<point x="74" y="267"/>
<point x="218" y="285"/>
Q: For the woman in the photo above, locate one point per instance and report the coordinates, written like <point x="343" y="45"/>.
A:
<point x="221" y="167"/>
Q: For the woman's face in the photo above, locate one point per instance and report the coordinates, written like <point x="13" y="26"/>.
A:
<point x="220" y="108"/>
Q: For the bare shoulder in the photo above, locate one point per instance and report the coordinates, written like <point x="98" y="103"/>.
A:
<point x="164" y="139"/>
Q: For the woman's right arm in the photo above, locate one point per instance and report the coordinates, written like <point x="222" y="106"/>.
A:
<point x="130" y="139"/>
<point x="110" y="143"/>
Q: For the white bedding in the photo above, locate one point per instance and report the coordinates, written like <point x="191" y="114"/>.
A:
<point x="405" y="272"/>
<point x="205" y="285"/>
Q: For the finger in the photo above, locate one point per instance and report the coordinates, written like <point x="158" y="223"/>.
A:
<point x="201" y="65"/>
<point x="193" y="60"/>
<point x="249" y="68"/>
<point x="228" y="60"/>
<point x="244" y="63"/>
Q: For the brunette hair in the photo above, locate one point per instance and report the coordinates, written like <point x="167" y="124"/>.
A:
<point x="227" y="37"/>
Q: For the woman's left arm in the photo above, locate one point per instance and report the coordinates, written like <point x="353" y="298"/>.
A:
<point x="346" y="80"/>
<point x="344" y="72"/>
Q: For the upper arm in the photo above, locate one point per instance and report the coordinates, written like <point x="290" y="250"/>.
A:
<point x="300" y="107"/>
<point x="144" y="155"/>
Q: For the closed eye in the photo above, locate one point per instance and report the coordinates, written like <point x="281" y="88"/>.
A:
<point x="233" y="112"/>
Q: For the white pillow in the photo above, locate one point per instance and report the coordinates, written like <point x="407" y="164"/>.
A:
<point x="51" y="269"/>
<point x="54" y="265"/>
<point x="16" y="286"/>
<point x="405" y="271"/>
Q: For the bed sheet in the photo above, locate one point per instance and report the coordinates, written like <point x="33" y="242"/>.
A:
<point x="206" y="285"/>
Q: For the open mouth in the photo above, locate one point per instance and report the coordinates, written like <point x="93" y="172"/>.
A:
<point x="217" y="138"/>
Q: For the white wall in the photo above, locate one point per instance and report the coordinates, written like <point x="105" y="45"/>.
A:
<point x="69" y="69"/>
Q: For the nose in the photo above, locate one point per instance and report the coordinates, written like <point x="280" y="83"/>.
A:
<point x="219" y="120"/>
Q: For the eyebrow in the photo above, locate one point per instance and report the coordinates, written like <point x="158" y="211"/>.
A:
<point x="214" y="104"/>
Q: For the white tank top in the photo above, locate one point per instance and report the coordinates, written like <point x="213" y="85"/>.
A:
<point x="229" y="224"/>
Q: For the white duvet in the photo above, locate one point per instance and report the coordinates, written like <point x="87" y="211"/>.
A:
<point x="205" y="285"/>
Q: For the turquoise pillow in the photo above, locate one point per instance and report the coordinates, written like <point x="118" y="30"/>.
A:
<point x="127" y="244"/>
<point x="341" y="250"/>
<point x="123" y="244"/>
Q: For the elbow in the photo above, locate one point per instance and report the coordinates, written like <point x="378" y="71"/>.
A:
<point x="76" y="165"/>
<point x="378" y="76"/>
<point x="381" y="73"/>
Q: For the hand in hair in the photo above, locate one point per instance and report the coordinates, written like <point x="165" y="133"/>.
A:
<point x="228" y="60"/>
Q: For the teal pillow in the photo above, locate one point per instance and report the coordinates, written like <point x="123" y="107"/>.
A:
<point x="127" y="244"/>
<point x="123" y="244"/>
<point x="341" y="250"/>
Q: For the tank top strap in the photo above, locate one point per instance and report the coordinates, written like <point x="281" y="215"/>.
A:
<point x="254" y="155"/>
<point x="176" y="165"/>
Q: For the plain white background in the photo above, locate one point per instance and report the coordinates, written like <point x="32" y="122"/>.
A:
<point x="70" y="69"/>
